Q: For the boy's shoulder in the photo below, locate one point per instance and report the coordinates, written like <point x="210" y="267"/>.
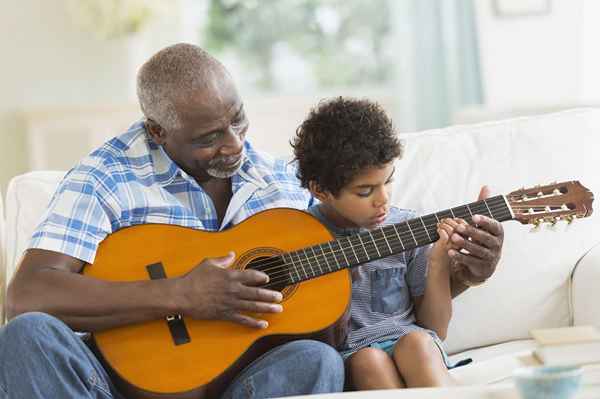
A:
<point x="399" y="215"/>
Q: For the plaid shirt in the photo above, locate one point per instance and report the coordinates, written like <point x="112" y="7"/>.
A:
<point x="130" y="181"/>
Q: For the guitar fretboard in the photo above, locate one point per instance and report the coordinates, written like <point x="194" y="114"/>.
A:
<point x="307" y="263"/>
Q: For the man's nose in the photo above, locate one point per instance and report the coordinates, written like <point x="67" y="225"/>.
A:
<point x="232" y="141"/>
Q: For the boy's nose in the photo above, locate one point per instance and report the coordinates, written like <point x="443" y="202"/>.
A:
<point x="382" y="198"/>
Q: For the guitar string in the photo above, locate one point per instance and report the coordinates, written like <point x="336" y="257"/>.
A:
<point x="421" y="234"/>
<point x="279" y="265"/>
<point x="308" y="265"/>
<point x="277" y="261"/>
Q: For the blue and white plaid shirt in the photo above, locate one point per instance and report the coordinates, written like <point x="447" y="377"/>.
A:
<point x="130" y="181"/>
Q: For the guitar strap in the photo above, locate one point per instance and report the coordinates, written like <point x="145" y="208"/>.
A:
<point x="176" y="324"/>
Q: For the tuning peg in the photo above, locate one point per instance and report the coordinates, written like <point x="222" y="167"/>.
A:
<point x="537" y="223"/>
<point x="569" y="218"/>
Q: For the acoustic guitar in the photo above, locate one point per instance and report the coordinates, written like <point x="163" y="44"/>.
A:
<point x="178" y="357"/>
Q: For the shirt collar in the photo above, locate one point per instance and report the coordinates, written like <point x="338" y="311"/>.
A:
<point x="166" y="170"/>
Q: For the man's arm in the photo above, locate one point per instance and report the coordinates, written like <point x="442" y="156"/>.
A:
<point x="50" y="282"/>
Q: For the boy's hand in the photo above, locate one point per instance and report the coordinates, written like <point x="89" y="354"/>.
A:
<point x="439" y="253"/>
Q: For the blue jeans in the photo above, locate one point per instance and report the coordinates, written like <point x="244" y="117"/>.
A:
<point x="40" y="357"/>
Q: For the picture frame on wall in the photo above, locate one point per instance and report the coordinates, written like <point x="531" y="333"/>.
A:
<point x="521" y="8"/>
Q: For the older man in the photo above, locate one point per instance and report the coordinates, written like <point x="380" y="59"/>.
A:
<point x="187" y="163"/>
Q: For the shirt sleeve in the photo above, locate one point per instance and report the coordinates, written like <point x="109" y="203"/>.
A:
<point x="79" y="216"/>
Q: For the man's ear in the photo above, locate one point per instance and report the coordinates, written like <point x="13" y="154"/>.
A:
<point x="317" y="191"/>
<point x="156" y="132"/>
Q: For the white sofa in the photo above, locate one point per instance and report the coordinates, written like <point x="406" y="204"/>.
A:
<point x="546" y="278"/>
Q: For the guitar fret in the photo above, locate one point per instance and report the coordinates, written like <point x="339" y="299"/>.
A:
<point x="452" y="212"/>
<point x="399" y="239"/>
<point x="364" y="248"/>
<point x="339" y="266"/>
<point x="306" y="256"/>
<point x="386" y="240"/>
<point x="412" y="234"/>
<point x="352" y="247"/>
<point x="425" y="227"/>
<point x="325" y="256"/>
<point x="293" y="268"/>
<point x="301" y="264"/>
<point x="488" y="208"/>
<point x="375" y="244"/>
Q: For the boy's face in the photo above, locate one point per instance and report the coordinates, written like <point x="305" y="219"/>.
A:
<point x="364" y="202"/>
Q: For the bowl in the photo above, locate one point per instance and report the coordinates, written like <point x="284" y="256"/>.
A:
<point x="548" y="382"/>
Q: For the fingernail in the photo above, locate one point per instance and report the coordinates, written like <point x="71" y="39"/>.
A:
<point x="461" y="228"/>
<point x="452" y="253"/>
<point x="277" y="308"/>
<point x="264" y="324"/>
<point x="278" y="297"/>
<point x="476" y="218"/>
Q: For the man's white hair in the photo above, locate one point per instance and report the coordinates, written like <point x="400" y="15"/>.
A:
<point x="173" y="74"/>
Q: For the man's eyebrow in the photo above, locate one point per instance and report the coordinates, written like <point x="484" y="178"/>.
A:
<point x="216" y="131"/>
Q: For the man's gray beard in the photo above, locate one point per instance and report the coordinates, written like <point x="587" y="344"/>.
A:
<point x="225" y="173"/>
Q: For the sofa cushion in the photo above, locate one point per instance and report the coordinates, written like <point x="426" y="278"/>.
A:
<point x="446" y="167"/>
<point x="27" y="197"/>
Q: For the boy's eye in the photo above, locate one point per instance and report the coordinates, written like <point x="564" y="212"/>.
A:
<point x="364" y="193"/>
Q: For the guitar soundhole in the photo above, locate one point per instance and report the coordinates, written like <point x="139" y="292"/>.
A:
<point x="268" y="261"/>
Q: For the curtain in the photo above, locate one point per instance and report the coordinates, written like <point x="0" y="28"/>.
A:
<point x="438" y="62"/>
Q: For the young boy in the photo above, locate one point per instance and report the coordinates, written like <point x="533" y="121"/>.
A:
<point x="401" y="305"/>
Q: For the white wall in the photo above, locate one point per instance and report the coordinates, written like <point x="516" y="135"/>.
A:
<point x="534" y="60"/>
<point x="49" y="62"/>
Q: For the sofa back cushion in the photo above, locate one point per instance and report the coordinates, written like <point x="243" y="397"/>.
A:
<point x="27" y="197"/>
<point x="445" y="168"/>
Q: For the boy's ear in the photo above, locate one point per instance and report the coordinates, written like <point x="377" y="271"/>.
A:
<point x="316" y="191"/>
<point x="157" y="133"/>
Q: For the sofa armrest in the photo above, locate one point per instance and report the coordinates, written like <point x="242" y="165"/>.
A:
<point x="585" y="289"/>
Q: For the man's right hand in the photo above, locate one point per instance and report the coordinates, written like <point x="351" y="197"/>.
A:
<point x="211" y="291"/>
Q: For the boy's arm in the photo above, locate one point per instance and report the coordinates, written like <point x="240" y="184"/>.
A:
<point x="433" y="309"/>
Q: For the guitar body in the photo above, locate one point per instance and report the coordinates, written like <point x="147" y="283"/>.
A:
<point x="144" y="358"/>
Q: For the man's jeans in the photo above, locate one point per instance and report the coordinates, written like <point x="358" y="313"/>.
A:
<point x="40" y="357"/>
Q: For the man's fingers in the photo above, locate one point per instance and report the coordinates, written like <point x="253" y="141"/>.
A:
<point x="478" y="268"/>
<point x="257" y="307"/>
<point x="478" y="235"/>
<point x="474" y="249"/>
<point x="259" y="294"/>
<point x="252" y="277"/>
<point x="490" y="225"/>
<point x="247" y="320"/>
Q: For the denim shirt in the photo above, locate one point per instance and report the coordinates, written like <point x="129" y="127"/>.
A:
<point x="383" y="290"/>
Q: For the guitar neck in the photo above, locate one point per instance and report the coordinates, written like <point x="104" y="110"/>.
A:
<point x="354" y="250"/>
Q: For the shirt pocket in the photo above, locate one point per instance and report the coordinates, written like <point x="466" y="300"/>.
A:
<point x="386" y="289"/>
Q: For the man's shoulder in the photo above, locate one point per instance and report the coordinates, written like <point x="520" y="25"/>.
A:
<point x="115" y="156"/>
<point x="272" y="169"/>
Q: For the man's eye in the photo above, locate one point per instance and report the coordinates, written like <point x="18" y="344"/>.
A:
<point x="364" y="194"/>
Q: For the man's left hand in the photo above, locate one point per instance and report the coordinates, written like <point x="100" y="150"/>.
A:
<point x="482" y="243"/>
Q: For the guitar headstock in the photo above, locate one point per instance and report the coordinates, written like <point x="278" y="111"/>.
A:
<point x="551" y="203"/>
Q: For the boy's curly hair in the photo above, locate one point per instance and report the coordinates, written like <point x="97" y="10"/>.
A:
<point x="340" y="138"/>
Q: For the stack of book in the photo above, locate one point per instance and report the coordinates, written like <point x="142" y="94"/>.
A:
<point x="567" y="346"/>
